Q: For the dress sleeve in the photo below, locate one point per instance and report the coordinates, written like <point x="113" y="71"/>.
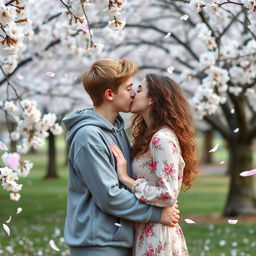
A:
<point x="165" y="165"/>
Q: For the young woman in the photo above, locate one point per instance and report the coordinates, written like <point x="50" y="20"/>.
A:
<point x="163" y="160"/>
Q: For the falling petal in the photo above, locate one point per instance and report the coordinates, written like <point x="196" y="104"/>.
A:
<point x="6" y="229"/>
<point x="65" y="76"/>
<point x="232" y="111"/>
<point x="50" y="74"/>
<point x="3" y="146"/>
<point x="170" y="69"/>
<point x="189" y="221"/>
<point x="84" y="28"/>
<point x="214" y="149"/>
<point x="232" y="221"/>
<point x="19" y="210"/>
<point x="20" y="77"/>
<point x="236" y="130"/>
<point x="13" y="161"/>
<point x="53" y="246"/>
<point x="168" y="35"/>
<point x="222" y="162"/>
<point x="184" y="17"/>
<point x="9" y="220"/>
<point x="118" y="224"/>
<point x="248" y="173"/>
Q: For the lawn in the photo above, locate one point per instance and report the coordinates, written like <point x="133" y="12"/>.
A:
<point x="44" y="204"/>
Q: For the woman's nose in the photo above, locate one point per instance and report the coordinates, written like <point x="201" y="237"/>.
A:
<point x="133" y="93"/>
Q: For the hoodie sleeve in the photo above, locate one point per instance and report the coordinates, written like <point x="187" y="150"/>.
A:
<point x="93" y="164"/>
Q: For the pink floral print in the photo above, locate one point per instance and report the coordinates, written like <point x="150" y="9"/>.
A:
<point x="158" y="175"/>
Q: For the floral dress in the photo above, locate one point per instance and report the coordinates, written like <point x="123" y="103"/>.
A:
<point x="158" y="175"/>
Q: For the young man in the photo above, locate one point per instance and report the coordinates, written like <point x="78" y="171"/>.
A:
<point x="100" y="211"/>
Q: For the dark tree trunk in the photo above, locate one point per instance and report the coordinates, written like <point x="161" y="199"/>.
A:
<point x="52" y="166"/>
<point x="240" y="201"/>
<point x="207" y="146"/>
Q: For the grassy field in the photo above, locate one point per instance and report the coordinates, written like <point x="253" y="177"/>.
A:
<point x="44" y="205"/>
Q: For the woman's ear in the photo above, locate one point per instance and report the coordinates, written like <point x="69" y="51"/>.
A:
<point x="150" y="103"/>
<point x="108" y="94"/>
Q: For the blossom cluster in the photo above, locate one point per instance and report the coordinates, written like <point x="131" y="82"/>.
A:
<point x="15" y="25"/>
<point x="32" y="128"/>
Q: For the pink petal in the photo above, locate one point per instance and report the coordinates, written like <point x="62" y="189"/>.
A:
<point x="6" y="229"/>
<point x="248" y="173"/>
<point x="3" y="146"/>
<point x="170" y="69"/>
<point x="50" y="74"/>
<point x="118" y="224"/>
<point x="53" y="246"/>
<point x="184" y="17"/>
<point x="168" y="35"/>
<point x="84" y="28"/>
<point x="189" y="221"/>
<point x="13" y="161"/>
<point x="232" y="221"/>
<point x="214" y="148"/>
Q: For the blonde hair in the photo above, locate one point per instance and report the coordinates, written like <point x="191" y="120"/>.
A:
<point x="106" y="74"/>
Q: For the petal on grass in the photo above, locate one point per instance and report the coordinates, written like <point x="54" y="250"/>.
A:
<point x="189" y="221"/>
<point x="118" y="224"/>
<point x="9" y="220"/>
<point x="214" y="148"/>
<point x="232" y="222"/>
<point x="50" y="74"/>
<point x="170" y="69"/>
<point x="3" y="146"/>
<point x="19" y="210"/>
<point x="248" y="173"/>
<point x="53" y="246"/>
<point x="6" y="229"/>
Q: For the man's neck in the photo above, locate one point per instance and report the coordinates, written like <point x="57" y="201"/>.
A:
<point x="107" y="112"/>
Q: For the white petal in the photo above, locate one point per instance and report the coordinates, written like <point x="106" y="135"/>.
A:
<point x="232" y="221"/>
<point x="170" y="69"/>
<point x="214" y="149"/>
<point x="248" y="173"/>
<point x="189" y="221"/>
<point x="9" y="220"/>
<point x="184" y="17"/>
<point x="7" y="229"/>
<point x="232" y="111"/>
<point x="19" y="210"/>
<point x="3" y="146"/>
<point x="236" y="130"/>
<point x="53" y="246"/>
<point x="222" y="162"/>
<point x="118" y="224"/>
<point x="168" y="35"/>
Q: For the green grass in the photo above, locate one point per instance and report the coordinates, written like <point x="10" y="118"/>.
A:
<point x="44" y="205"/>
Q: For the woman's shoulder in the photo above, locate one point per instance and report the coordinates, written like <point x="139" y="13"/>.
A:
<point x="165" y="132"/>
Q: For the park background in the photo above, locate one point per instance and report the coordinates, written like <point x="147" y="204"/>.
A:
<point x="207" y="46"/>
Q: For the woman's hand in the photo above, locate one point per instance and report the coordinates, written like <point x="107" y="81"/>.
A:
<point x="121" y="162"/>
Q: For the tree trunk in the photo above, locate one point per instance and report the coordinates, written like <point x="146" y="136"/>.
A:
<point x="207" y="146"/>
<point x="240" y="201"/>
<point x="52" y="166"/>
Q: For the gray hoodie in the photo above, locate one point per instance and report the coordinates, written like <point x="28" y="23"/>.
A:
<point x="100" y="211"/>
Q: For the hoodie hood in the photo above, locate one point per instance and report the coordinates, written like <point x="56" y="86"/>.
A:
<point x="74" y="121"/>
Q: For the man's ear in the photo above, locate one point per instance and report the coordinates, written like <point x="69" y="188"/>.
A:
<point x="108" y="94"/>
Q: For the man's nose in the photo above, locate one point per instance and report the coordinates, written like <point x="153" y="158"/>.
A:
<point x="132" y="93"/>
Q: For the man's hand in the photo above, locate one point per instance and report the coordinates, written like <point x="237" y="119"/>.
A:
<point x="170" y="216"/>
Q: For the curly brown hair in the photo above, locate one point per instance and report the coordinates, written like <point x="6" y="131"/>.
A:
<point x="170" y="109"/>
